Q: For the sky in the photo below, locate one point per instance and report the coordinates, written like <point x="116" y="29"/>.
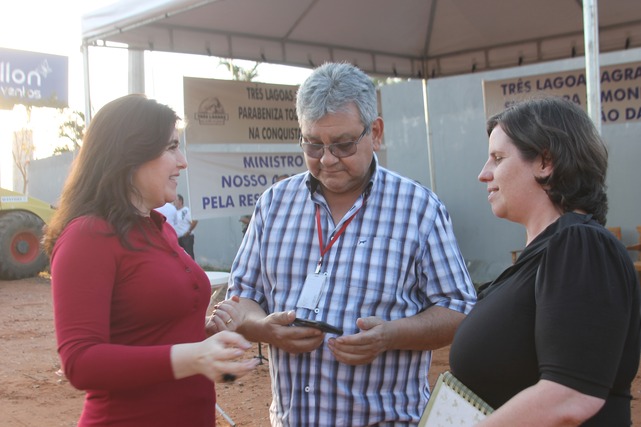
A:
<point x="54" y="27"/>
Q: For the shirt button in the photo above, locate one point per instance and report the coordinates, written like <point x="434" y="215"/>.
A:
<point x="307" y="388"/>
<point x="188" y="270"/>
<point x="317" y="310"/>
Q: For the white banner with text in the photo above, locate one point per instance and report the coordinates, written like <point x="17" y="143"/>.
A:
<point x="235" y="135"/>
<point x="229" y="184"/>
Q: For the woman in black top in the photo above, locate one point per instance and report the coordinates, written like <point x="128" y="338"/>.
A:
<point x="555" y="339"/>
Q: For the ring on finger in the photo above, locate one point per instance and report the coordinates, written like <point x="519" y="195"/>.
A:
<point x="228" y="321"/>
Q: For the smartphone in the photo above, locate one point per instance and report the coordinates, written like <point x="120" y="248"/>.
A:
<point x="323" y="326"/>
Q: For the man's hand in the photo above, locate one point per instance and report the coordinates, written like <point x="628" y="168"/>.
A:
<point x="361" y="348"/>
<point x="275" y="329"/>
<point x="292" y="339"/>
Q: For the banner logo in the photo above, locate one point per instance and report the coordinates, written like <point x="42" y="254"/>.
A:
<point x="211" y="112"/>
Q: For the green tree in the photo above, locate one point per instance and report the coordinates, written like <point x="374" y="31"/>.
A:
<point x="382" y="81"/>
<point x="72" y="129"/>
<point x="238" y="72"/>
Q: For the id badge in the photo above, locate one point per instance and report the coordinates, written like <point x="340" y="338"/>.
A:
<point x="312" y="290"/>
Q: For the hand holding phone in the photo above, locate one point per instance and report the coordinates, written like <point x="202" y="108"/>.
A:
<point x="318" y="324"/>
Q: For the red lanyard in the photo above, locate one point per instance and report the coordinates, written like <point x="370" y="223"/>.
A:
<point x="334" y="238"/>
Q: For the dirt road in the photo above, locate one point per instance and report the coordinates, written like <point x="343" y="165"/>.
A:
<point x="32" y="394"/>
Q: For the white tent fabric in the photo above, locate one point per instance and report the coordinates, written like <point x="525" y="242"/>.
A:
<point x="405" y="38"/>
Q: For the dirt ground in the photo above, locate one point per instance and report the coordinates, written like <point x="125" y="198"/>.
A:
<point x="32" y="394"/>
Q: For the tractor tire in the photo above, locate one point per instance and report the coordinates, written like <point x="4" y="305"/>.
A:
<point x="21" y="254"/>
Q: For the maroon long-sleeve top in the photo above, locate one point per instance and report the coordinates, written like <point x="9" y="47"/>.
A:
<point x="117" y="313"/>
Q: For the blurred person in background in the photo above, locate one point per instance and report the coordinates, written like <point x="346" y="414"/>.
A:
<point x="184" y="226"/>
<point x="170" y="212"/>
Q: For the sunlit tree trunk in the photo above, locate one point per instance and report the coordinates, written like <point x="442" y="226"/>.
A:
<point x="23" y="149"/>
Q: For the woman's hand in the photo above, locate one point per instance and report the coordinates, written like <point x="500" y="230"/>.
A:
<point x="227" y="316"/>
<point x="217" y="358"/>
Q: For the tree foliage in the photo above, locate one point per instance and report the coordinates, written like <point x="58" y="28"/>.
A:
<point x="239" y="73"/>
<point x="383" y="81"/>
<point x="72" y="129"/>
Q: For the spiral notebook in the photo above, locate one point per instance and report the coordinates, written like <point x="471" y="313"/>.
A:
<point x="453" y="404"/>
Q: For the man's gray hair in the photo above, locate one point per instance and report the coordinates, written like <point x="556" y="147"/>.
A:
<point x="331" y="88"/>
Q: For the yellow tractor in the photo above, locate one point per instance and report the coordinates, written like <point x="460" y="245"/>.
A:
<point x="22" y="219"/>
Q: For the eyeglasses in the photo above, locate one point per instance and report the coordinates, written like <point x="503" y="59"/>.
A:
<point x="338" y="149"/>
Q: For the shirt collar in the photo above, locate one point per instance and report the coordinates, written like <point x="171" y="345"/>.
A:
<point x="313" y="183"/>
<point x="157" y="218"/>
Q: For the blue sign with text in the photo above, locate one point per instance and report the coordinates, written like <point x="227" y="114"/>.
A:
<point x="33" y="78"/>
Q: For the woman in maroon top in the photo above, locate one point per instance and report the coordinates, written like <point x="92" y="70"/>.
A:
<point x="129" y="303"/>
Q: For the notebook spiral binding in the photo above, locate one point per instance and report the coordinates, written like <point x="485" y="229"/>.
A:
<point x="466" y="393"/>
<point x="452" y="403"/>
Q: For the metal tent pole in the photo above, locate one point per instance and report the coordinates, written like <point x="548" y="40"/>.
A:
<point x="592" y="74"/>
<point x="85" y="64"/>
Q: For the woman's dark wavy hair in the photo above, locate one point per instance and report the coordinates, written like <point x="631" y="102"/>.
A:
<point x="561" y="132"/>
<point x="126" y="133"/>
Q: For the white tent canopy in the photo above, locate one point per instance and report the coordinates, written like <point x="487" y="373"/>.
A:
<point x="405" y="38"/>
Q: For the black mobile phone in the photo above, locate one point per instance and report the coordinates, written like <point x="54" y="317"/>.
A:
<point x="323" y="326"/>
